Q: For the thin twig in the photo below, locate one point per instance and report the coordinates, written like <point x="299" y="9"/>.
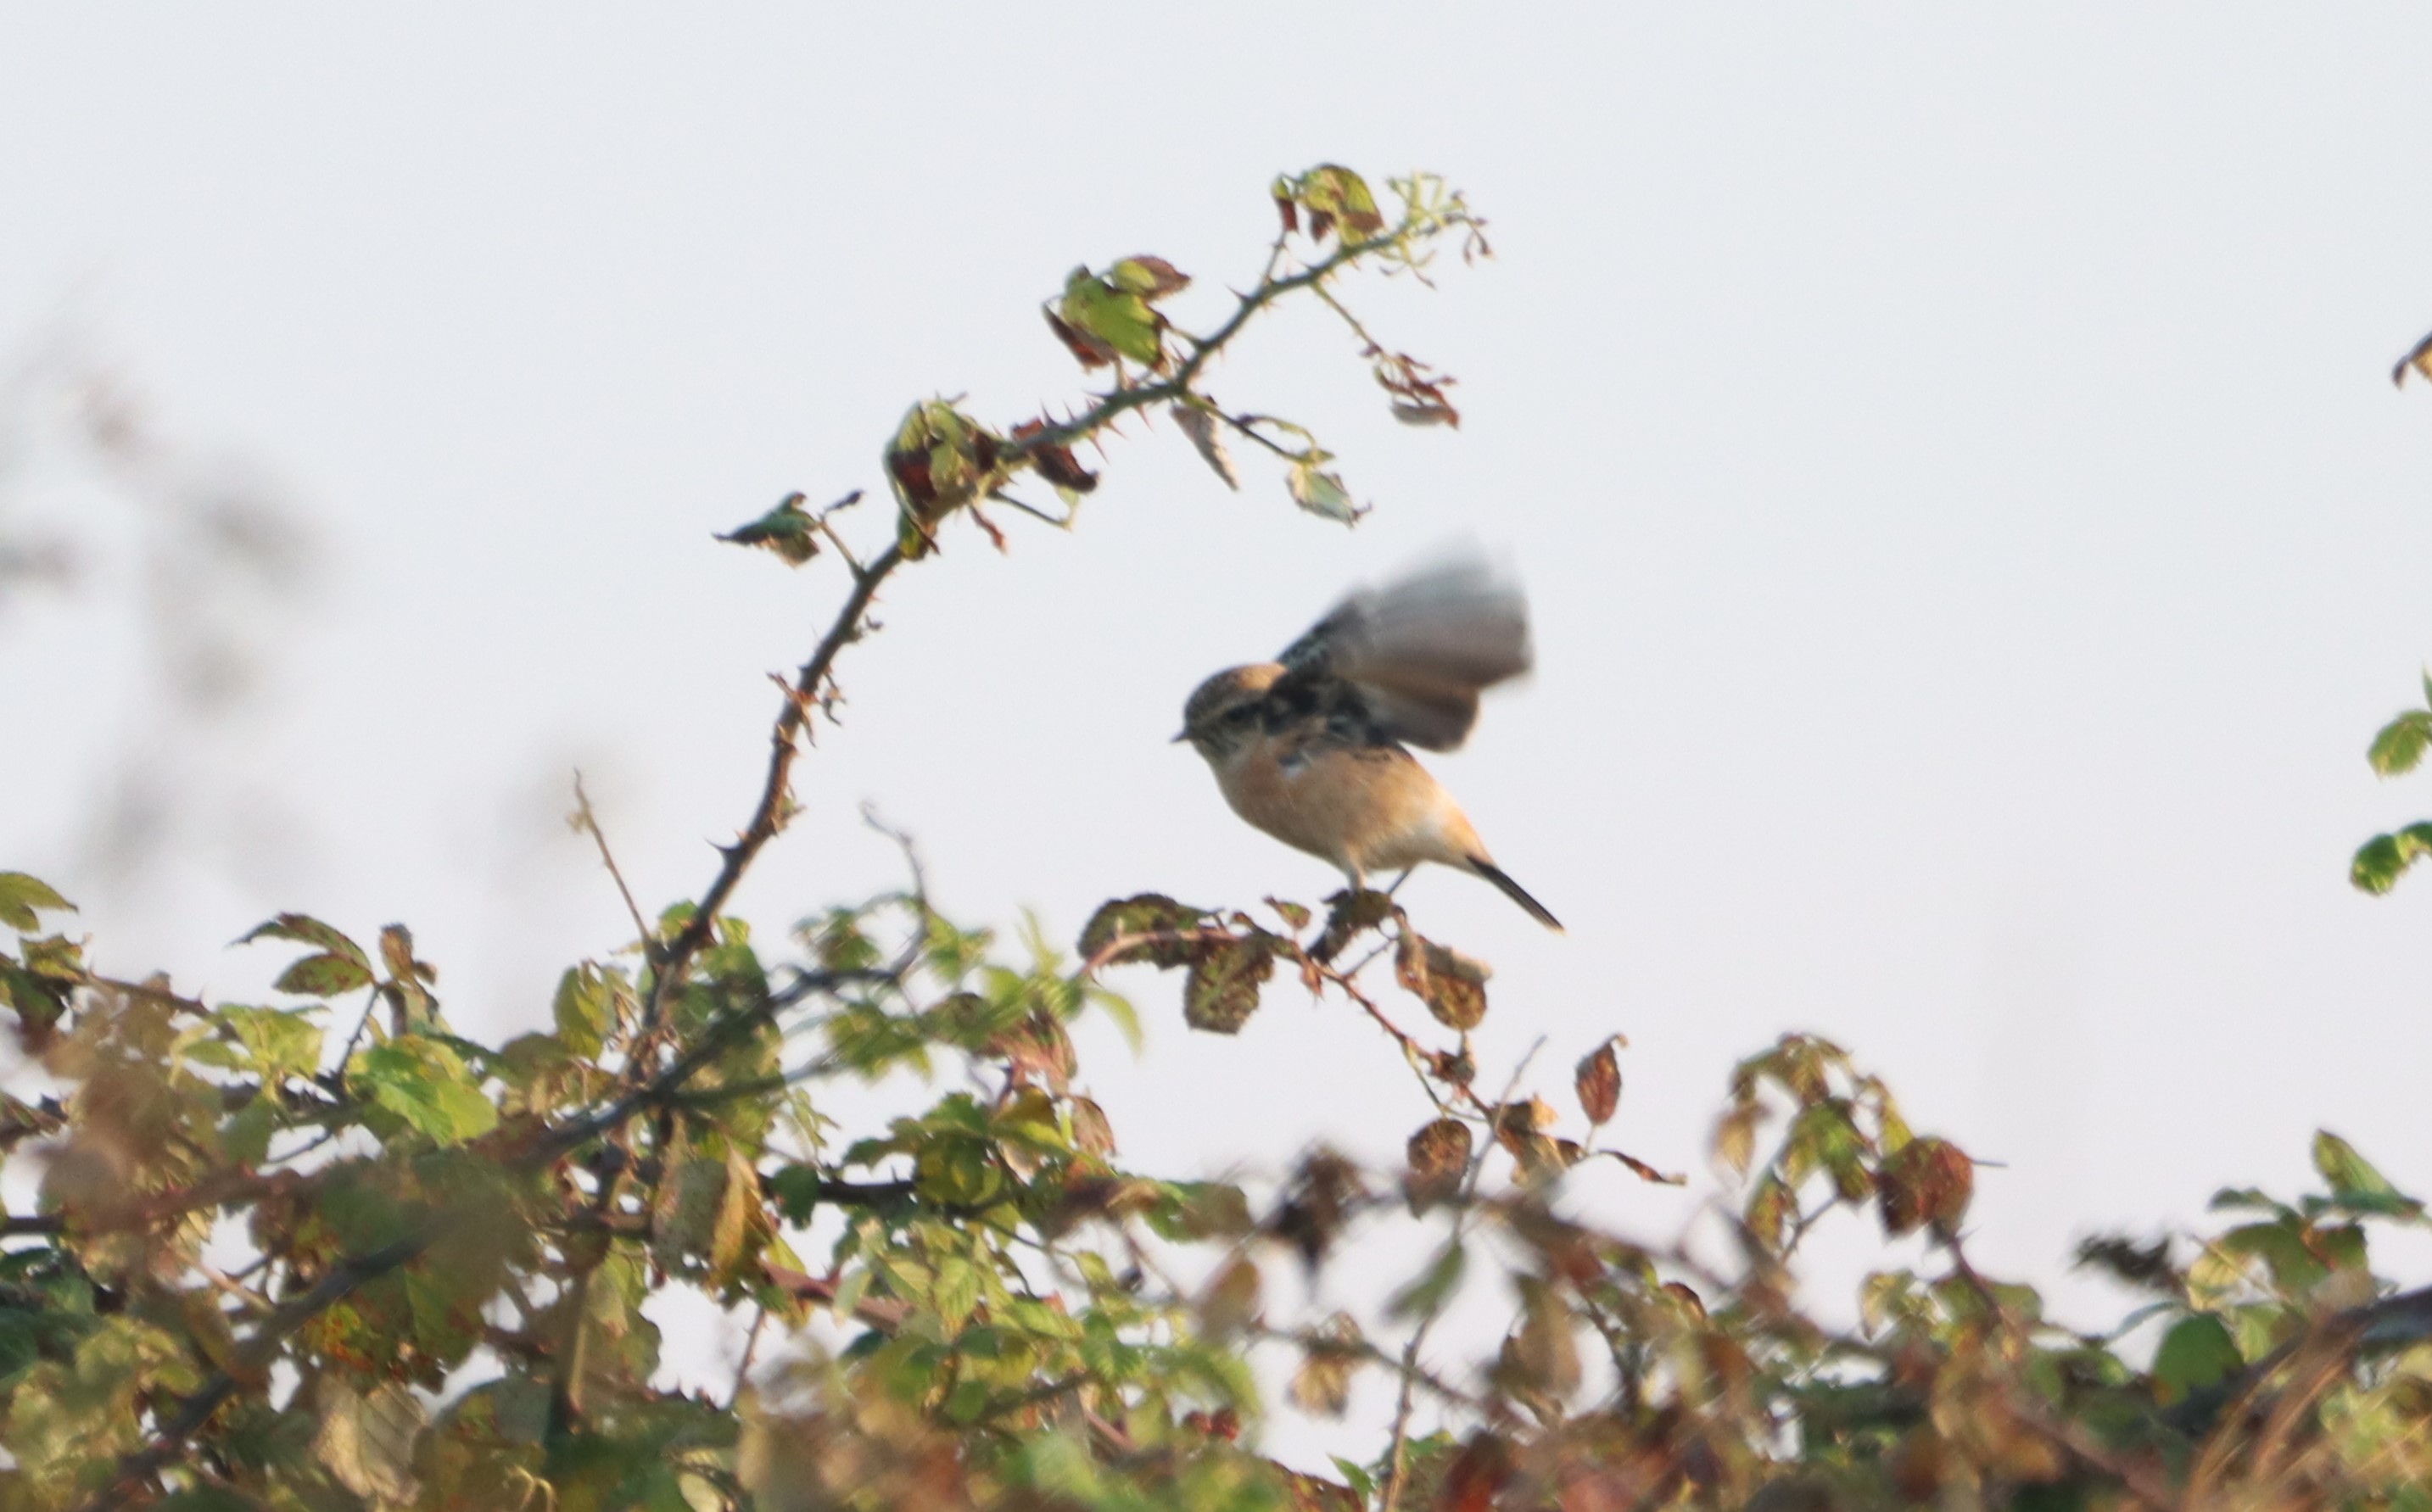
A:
<point x="743" y="1366"/>
<point x="770" y="815"/>
<point x="587" y="821"/>
<point x="1398" y="1451"/>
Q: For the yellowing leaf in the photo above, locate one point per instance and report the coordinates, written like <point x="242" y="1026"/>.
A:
<point x="366" y="1439"/>
<point x="1150" y="278"/>
<point x="1117" y="317"/>
<point x="1231" y="1298"/>
<point x="2345" y="1172"/>
<point x="1322" y="493"/>
<point x="1323" y="1382"/>
<point x="21" y="896"/>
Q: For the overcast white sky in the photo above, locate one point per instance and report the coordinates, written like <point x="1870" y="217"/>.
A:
<point x="1971" y="531"/>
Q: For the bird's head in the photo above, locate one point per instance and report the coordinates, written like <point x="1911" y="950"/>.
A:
<point x="1221" y="714"/>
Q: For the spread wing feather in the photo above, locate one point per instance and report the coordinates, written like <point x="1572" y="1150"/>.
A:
<point x="1418" y="649"/>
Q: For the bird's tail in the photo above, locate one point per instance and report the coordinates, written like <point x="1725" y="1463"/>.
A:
<point x="1516" y="892"/>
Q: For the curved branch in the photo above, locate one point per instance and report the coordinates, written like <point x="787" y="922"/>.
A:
<point x="770" y="815"/>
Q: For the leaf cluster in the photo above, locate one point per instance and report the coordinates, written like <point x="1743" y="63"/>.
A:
<point x="326" y="1253"/>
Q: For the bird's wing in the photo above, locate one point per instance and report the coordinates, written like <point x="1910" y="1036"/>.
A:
<point x="1419" y="648"/>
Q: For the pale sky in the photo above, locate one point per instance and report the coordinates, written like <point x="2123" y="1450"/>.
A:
<point x="1971" y="532"/>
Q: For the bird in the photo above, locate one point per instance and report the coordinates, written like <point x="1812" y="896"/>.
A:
<point x="1313" y="747"/>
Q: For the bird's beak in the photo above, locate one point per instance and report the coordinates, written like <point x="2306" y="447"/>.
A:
<point x="1180" y="738"/>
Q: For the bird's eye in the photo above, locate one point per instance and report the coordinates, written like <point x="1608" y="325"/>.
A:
<point x="1240" y="713"/>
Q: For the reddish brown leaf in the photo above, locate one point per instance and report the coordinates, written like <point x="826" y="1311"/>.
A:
<point x="1318" y="1205"/>
<point x="1451" y="984"/>
<point x="911" y="470"/>
<point x="1054" y="462"/>
<point x="1350" y="915"/>
<point x="1926" y="1182"/>
<point x="1439" y="1158"/>
<point x="1475" y="1475"/>
<point x="1091" y="351"/>
<point x="1091" y="1130"/>
<point x="1599" y="1084"/>
<point x="1647" y="1172"/>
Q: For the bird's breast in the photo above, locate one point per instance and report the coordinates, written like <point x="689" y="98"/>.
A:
<point x="1357" y="806"/>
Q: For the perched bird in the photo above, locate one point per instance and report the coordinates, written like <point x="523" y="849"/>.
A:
<point x="1310" y="747"/>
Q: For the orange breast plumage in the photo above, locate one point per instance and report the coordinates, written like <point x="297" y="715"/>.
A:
<point x="1362" y="807"/>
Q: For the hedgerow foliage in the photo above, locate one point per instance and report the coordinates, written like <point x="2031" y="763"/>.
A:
<point x="329" y="1252"/>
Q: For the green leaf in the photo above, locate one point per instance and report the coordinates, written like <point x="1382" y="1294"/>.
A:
<point x="684" y="1210"/>
<point x="2345" y="1172"/>
<point x="305" y="930"/>
<point x="1362" y="1484"/>
<point x="39" y="988"/>
<point x="2400" y="746"/>
<point x="1427" y="1296"/>
<point x="447" y="1315"/>
<point x="2196" y="1353"/>
<point x="244" y="1139"/>
<point x="1144" y="914"/>
<point x="2382" y="859"/>
<point x="2295" y="1267"/>
<point x="21" y="896"/>
<point x="1332" y="194"/>
<point x="955" y="1291"/>
<point x="957" y="1171"/>
<point x="789" y="530"/>
<point x="1118" y="317"/>
<point x="940" y="461"/>
<point x="796" y="1190"/>
<point x="425" y="1083"/>
<point x="1222" y="991"/>
<point x="586" y="1008"/>
<point x="324" y="976"/>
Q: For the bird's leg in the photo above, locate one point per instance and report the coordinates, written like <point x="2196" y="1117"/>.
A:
<point x="1399" y="880"/>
